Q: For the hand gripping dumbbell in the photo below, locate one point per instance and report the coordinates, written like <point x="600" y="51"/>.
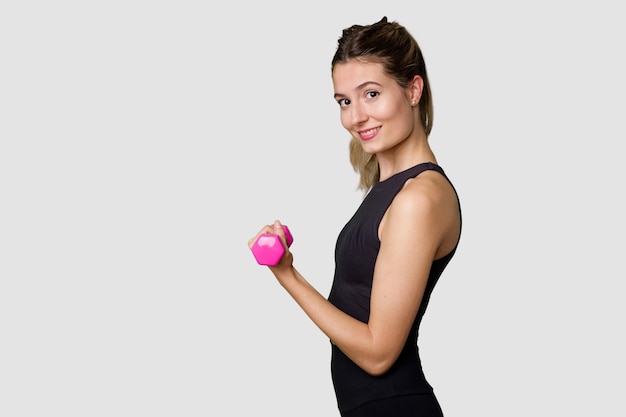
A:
<point x="268" y="249"/>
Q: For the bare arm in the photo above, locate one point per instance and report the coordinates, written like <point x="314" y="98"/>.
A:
<point x="411" y="234"/>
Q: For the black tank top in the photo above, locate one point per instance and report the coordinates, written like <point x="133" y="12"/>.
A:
<point x="355" y="256"/>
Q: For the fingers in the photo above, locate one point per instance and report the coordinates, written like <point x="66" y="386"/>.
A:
<point x="267" y="229"/>
<point x="271" y="245"/>
<point x="270" y="229"/>
<point x="280" y="231"/>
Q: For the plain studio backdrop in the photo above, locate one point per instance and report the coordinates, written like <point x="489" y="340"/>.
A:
<point x="143" y="143"/>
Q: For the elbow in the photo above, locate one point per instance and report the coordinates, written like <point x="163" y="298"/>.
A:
<point x="380" y="365"/>
<point x="376" y="369"/>
<point x="376" y="358"/>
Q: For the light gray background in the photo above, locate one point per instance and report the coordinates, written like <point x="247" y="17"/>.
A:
<point x="143" y="143"/>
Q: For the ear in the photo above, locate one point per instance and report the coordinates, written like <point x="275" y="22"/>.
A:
<point x="415" y="90"/>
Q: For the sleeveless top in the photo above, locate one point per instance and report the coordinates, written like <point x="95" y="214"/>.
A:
<point x="355" y="256"/>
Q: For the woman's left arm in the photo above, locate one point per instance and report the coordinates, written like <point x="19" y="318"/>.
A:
<point x="411" y="234"/>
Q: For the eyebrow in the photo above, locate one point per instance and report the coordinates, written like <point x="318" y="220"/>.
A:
<point x="359" y="87"/>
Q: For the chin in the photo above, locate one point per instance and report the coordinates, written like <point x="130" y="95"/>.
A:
<point x="370" y="148"/>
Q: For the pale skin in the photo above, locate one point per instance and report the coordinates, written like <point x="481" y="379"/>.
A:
<point x="422" y="223"/>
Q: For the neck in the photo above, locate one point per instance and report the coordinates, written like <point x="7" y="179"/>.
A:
<point x="407" y="154"/>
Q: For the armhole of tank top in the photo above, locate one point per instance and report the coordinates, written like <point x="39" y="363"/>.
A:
<point x="399" y="188"/>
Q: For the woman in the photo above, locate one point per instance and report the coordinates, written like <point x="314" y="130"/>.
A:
<point x="391" y="253"/>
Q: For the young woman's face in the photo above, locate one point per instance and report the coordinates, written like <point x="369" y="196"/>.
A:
<point x="375" y="109"/>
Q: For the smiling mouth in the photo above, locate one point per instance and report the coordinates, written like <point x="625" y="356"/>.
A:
<point x="369" y="133"/>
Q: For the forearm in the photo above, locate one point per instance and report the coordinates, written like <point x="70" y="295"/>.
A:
<point x="350" y="335"/>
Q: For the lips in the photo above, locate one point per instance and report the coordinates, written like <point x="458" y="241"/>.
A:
<point x="369" y="133"/>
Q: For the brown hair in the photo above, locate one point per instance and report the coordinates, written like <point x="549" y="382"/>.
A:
<point x="391" y="45"/>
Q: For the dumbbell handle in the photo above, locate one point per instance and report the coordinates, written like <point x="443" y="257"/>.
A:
<point x="268" y="249"/>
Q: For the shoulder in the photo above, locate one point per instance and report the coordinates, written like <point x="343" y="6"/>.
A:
<point x="426" y="205"/>
<point x="429" y="192"/>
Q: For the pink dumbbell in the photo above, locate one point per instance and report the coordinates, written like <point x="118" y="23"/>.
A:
<point x="268" y="249"/>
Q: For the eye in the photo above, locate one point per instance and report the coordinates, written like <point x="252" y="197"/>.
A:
<point x="372" y="94"/>
<point x="344" y="102"/>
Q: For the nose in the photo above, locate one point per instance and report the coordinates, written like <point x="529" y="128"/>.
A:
<point x="358" y="114"/>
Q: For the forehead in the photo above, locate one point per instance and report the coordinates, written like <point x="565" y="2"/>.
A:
<point x="349" y="75"/>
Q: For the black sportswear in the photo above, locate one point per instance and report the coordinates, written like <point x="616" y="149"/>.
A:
<point x="355" y="256"/>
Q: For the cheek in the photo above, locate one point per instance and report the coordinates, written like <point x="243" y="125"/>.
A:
<point x="401" y="115"/>
<point x="390" y="111"/>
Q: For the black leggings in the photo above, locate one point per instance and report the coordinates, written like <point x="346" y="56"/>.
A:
<point x="422" y="405"/>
